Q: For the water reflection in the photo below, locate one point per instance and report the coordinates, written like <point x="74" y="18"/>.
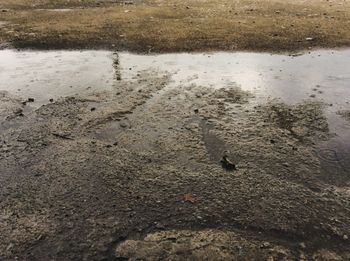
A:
<point x="323" y="75"/>
<point x="45" y="75"/>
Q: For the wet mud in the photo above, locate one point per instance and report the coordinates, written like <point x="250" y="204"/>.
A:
<point x="133" y="170"/>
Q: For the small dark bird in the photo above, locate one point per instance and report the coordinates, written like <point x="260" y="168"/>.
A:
<point x="227" y="164"/>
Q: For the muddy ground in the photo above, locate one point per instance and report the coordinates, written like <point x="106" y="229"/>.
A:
<point x="136" y="173"/>
<point x="168" y="26"/>
<point x="88" y="178"/>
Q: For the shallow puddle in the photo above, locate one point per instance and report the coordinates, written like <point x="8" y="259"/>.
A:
<point x="323" y="74"/>
<point x="46" y="75"/>
<point x="320" y="75"/>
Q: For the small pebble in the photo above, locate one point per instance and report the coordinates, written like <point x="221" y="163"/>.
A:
<point x="265" y="245"/>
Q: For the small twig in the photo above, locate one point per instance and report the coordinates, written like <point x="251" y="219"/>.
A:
<point x="62" y="136"/>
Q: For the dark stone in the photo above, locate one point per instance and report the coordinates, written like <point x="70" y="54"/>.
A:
<point x="227" y="164"/>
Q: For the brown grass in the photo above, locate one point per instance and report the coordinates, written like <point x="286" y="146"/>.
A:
<point x="185" y="25"/>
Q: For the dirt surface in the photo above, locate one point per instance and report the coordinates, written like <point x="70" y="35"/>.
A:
<point x="93" y="178"/>
<point x="186" y="25"/>
<point x="211" y="245"/>
<point x="150" y="171"/>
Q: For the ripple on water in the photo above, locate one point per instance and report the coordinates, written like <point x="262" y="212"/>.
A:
<point x="335" y="160"/>
<point x="329" y="155"/>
